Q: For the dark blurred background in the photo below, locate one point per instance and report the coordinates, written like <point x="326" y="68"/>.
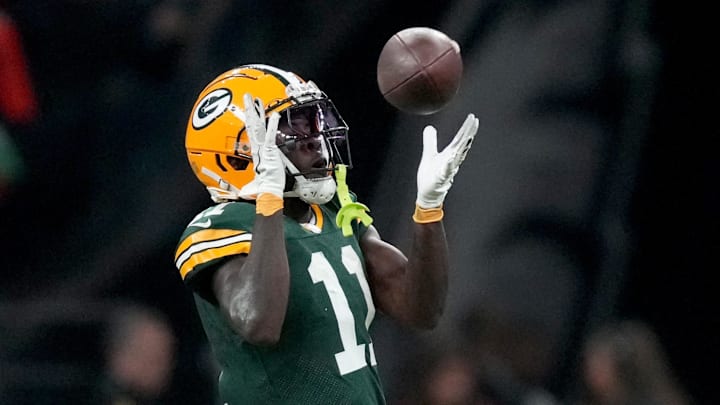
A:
<point x="587" y="198"/>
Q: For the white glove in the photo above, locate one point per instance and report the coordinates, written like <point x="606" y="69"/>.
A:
<point x="437" y="170"/>
<point x="269" y="167"/>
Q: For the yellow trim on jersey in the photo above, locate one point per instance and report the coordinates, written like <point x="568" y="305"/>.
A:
<point x="318" y="215"/>
<point x="203" y="236"/>
<point x="203" y="248"/>
<point x="212" y="254"/>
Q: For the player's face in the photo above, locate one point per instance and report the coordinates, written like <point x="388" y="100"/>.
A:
<point x="303" y="145"/>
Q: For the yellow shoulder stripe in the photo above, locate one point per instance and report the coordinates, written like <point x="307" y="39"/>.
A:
<point x="204" y="246"/>
<point x="212" y="254"/>
<point x="204" y="236"/>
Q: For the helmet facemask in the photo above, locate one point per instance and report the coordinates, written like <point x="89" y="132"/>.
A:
<point x="314" y="124"/>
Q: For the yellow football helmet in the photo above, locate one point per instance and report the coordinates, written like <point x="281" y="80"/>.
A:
<point x="217" y="144"/>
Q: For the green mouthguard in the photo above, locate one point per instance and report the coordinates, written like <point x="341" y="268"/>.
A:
<point x="349" y="210"/>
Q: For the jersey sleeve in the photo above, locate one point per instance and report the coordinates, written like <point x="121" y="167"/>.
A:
<point x="213" y="236"/>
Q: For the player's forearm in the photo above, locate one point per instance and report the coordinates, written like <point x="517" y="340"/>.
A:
<point x="259" y="302"/>
<point x="428" y="261"/>
<point x="427" y="274"/>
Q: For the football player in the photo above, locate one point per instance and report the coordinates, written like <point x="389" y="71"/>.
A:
<point x="286" y="269"/>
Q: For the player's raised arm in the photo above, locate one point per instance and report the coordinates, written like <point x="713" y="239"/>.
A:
<point x="253" y="290"/>
<point x="413" y="289"/>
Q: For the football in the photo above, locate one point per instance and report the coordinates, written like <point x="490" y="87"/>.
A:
<point x="419" y="70"/>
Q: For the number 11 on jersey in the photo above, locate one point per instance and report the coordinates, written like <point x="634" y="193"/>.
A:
<point x="352" y="357"/>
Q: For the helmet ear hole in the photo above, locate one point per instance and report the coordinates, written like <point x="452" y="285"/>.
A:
<point x="238" y="163"/>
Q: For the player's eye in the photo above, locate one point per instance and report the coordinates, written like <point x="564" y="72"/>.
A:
<point x="301" y="127"/>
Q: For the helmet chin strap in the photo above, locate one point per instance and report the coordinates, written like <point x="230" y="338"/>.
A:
<point x="224" y="192"/>
<point x="313" y="191"/>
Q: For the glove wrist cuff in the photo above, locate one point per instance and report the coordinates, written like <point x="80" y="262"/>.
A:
<point x="267" y="204"/>
<point x="428" y="215"/>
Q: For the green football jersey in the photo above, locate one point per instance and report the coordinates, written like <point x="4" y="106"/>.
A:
<point x="325" y="353"/>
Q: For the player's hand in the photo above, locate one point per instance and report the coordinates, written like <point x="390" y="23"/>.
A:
<point x="437" y="169"/>
<point x="269" y="166"/>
